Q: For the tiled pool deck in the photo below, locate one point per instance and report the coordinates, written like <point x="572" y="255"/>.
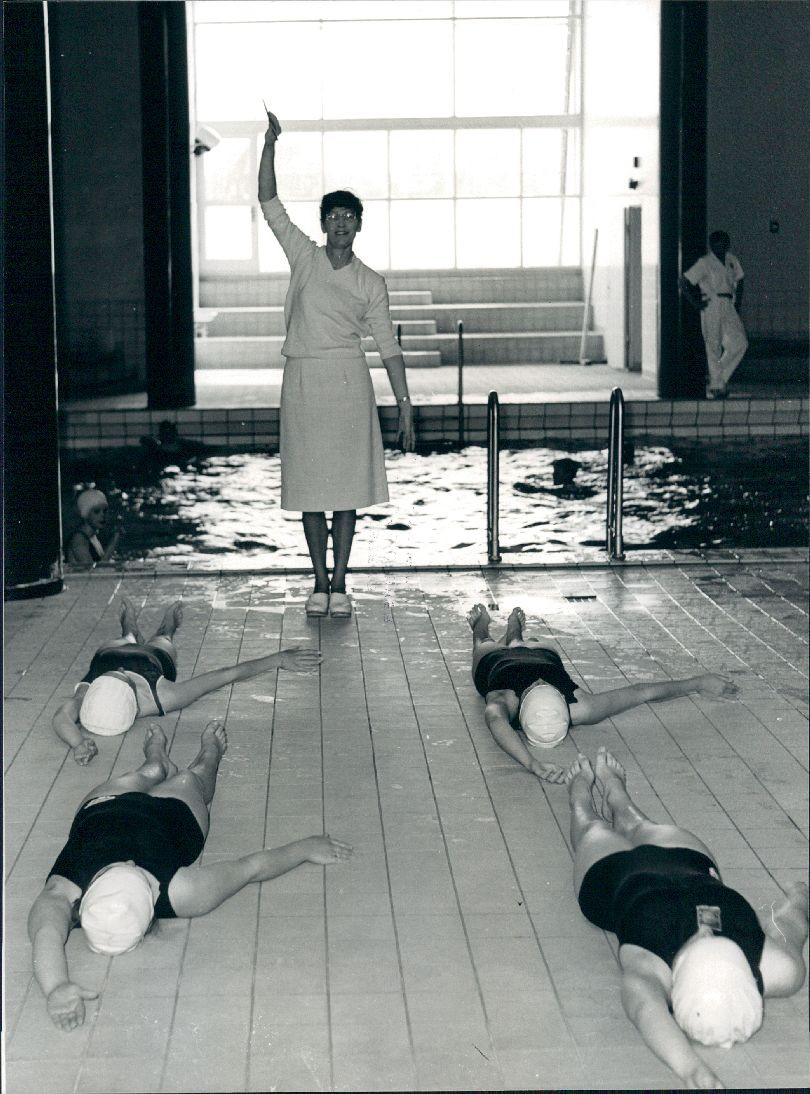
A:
<point x="449" y="953"/>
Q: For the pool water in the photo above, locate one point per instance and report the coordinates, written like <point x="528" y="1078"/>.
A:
<point x="224" y="510"/>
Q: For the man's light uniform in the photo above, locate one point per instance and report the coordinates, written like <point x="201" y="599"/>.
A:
<point x="723" y="331"/>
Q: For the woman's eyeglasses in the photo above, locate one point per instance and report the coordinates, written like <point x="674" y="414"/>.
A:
<point x="346" y="217"/>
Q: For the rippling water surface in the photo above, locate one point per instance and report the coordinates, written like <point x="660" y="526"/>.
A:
<point x="224" y="510"/>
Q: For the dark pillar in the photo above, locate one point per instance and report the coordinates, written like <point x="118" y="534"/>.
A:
<point x="169" y="306"/>
<point x="683" y="192"/>
<point x="33" y="527"/>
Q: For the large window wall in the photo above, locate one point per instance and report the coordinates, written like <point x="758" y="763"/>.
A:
<point x="456" y="121"/>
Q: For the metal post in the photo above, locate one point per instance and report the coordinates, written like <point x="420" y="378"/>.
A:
<point x="399" y="335"/>
<point x="614" y="543"/>
<point x="460" y="383"/>
<point x="493" y="476"/>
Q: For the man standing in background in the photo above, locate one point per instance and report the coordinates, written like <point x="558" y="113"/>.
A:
<point x="714" y="287"/>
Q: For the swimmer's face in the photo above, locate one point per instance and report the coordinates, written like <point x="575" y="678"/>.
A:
<point x="97" y="517"/>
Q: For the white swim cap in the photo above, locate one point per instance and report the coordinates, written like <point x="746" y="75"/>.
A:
<point x="715" y="999"/>
<point x="544" y="716"/>
<point x="116" y="910"/>
<point x="109" y="706"/>
<point x="89" y="500"/>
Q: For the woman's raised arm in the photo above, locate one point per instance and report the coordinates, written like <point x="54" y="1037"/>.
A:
<point x="267" y="164"/>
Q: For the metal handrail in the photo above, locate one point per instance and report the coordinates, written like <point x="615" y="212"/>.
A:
<point x="460" y="382"/>
<point x="493" y="476"/>
<point x="614" y="544"/>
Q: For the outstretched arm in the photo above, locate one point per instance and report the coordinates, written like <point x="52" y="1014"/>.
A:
<point x="176" y="696"/>
<point x="496" y="715"/>
<point x="67" y="728"/>
<point x="590" y="709"/>
<point x="196" y="890"/>
<point x="267" y="164"/>
<point x="645" y="996"/>
<point x="48" y="929"/>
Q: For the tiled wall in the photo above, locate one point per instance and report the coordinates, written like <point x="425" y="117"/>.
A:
<point x="660" y="420"/>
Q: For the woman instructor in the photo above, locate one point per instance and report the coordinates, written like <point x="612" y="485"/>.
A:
<point x="331" y="447"/>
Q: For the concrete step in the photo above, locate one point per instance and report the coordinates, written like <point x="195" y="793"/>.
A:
<point x="401" y="297"/>
<point x="511" y="347"/>
<point x="265" y="352"/>
<point x="415" y="318"/>
<point x="444" y="286"/>
<point x="499" y="318"/>
<point x="484" y="349"/>
<point x="252" y="322"/>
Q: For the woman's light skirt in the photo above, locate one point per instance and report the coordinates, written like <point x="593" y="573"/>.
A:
<point x="331" y="446"/>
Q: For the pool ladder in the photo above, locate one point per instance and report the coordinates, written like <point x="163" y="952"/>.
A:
<point x="614" y="544"/>
<point x="615" y="486"/>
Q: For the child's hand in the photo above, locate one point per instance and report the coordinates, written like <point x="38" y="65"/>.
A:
<point x="324" y="850"/>
<point x="84" y="752"/>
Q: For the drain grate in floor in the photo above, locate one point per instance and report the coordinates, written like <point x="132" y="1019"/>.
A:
<point x="578" y="597"/>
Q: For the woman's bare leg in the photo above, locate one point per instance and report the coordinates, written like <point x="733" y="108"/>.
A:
<point x="480" y="622"/>
<point x="628" y="819"/>
<point x="156" y="768"/>
<point x="129" y="620"/>
<point x="592" y="837"/>
<point x="343" y="523"/>
<point x="316" y="532"/>
<point x="172" y="618"/>
<point x="196" y="785"/>
<point x="514" y="627"/>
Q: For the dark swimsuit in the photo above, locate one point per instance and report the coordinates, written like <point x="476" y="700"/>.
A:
<point x="657" y="897"/>
<point x="96" y="557"/>
<point x="150" y="662"/>
<point x="516" y="668"/>
<point x="160" y="835"/>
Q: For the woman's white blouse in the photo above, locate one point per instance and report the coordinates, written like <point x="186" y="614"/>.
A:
<point x="328" y="311"/>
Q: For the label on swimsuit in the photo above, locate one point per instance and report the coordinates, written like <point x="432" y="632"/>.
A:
<point x="709" y="916"/>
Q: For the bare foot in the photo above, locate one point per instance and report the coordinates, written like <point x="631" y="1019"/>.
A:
<point x="129" y="619"/>
<point x="172" y="619"/>
<point x="579" y="779"/>
<point x="478" y="617"/>
<point x="612" y="777"/>
<point x="154" y="749"/>
<point x="215" y="737"/>
<point x="514" y="626"/>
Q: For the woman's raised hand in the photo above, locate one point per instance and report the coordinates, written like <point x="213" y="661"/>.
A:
<point x="273" y="128"/>
<point x="66" y="1005"/>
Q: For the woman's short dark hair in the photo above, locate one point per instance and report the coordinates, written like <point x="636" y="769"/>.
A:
<point x="341" y="199"/>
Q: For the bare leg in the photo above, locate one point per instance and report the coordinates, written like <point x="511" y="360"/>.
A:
<point x="156" y="768"/>
<point x="316" y="532"/>
<point x="514" y="627"/>
<point x="592" y="837"/>
<point x="483" y="642"/>
<point x="343" y="522"/>
<point x="197" y="784"/>
<point x="129" y="620"/>
<point x="172" y="619"/>
<point x="628" y="819"/>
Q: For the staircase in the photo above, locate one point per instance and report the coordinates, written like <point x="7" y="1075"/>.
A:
<point x="510" y="317"/>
